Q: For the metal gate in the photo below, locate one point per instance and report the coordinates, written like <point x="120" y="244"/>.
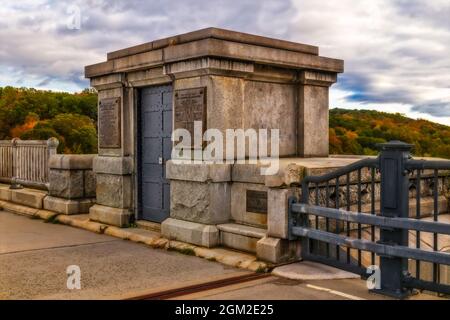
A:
<point x="362" y="216"/>
<point x="155" y="149"/>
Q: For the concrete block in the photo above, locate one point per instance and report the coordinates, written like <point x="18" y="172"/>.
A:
<point x="190" y="232"/>
<point x="277" y="211"/>
<point x="108" y="215"/>
<point x="71" y="161"/>
<point x="66" y="206"/>
<point x="113" y="165"/>
<point x="207" y="203"/>
<point x="240" y="237"/>
<point x="66" y="183"/>
<point x="277" y="250"/>
<point x="5" y="192"/>
<point x="28" y="197"/>
<point x="114" y="190"/>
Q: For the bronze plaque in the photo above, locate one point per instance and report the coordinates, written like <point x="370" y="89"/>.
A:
<point x="256" y="201"/>
<point x="109" y="123"/>
<point x="190" y="106"/>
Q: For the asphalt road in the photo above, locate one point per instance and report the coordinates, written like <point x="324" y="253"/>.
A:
<point x="34" y="256"/>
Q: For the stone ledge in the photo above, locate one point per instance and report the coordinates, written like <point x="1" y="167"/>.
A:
<point x="71" y="161"/>
<point x="5" y="192"/>
<point x="191" y="232"/>
<point x="243" y="230"/>
<point x="217" y="34"/>
<point x="28" y="197"/>
<point x="66" y="206"/>
<point x="109" y="215"/>
<point x="198" y="172"/>
<point x="113" y="165"/>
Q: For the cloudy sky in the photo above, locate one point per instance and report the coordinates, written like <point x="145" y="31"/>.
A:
<point x="396" y="52"/>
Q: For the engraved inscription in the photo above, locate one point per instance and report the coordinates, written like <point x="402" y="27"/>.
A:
<point x="256" y="201"/>
<point x="109" y="123"/>
<point x="190" y="106"/>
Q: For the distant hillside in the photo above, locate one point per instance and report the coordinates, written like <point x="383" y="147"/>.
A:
<point x="358" y="132"/>
<point x="28" y="113"/>
<point x="72" y="118"/>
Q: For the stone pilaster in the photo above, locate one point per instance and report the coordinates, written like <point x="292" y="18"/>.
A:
<point x="313" y="109"/>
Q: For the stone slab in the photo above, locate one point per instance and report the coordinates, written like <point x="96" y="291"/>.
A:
<point x="108" y="215"/>
<point x="113" y="165"/>
<point x="28" y="197"/>
<point x="190" y="232"/>
<point x="66" y="206"/>
<point x="240" y="237"/>
<point x="241" y="229"/>
<point x="71" y="161"/>
<point x="217" y="34"/>
<point x="277" y="250"/>
<point x="5" y="192"/>
<point x="306" y="270"/>
<point x="198" y="172"/>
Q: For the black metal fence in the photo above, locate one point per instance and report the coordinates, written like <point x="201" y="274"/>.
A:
<point x="379" y="212"/>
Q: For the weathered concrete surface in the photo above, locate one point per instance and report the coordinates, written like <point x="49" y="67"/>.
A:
<point x="276" y="250"/>
<point x="191" y="232"/>
<point x="71" y="161"/>
<point x="67" y="206"/>
<point x="239" y="211"/>
<point x="206" y="202"/>
<point x="68" y="184"/>
<point x="307" y="270"/>
<point x="34" y="257"/>
<point x="114" y="190"/>
<point x="28" y="197"/>
<point x="109" y="215"/>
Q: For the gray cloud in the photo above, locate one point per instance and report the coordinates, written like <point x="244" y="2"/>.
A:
<point x="395" y="51"/>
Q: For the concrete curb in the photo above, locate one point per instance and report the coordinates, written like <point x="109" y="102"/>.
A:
<point x="227" y="257"/>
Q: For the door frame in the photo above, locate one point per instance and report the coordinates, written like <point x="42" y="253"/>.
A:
<point x="137" y="124"/>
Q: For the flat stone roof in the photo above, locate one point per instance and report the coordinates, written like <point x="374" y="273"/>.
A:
<point x="215" y="33"/>
<point x="217" y="43"/>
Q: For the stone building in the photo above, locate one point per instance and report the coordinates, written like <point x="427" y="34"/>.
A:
<point x="231" y="80"/>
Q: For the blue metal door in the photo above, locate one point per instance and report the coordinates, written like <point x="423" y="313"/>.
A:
<point x="155" y="150"/>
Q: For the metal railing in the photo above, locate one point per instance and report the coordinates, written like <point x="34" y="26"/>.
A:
<point x="25" y="162"/>
<point x="361" y="215"/>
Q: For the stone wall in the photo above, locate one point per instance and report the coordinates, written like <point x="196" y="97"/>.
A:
<point x="72" y="184"/>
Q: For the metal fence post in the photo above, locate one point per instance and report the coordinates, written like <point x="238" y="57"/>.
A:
<point x="394" y="203"/>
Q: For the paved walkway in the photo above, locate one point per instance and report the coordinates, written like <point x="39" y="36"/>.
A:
<point x="34" y="256"/>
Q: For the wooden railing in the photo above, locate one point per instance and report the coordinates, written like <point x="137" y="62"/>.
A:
<point x="25" y="162"/>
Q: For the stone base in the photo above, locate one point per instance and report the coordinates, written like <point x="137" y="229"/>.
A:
<point x="277" y="250"/>
<point x="190" y="232"/>
<point x="5" y="192"/>
<point x="109" y="215"/>
<point x="66" y="206"/>
<point x="240" y="237"/>
<point x="28" y="197"/>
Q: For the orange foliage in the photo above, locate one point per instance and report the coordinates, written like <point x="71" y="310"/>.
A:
<point x="30" y="122"/>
